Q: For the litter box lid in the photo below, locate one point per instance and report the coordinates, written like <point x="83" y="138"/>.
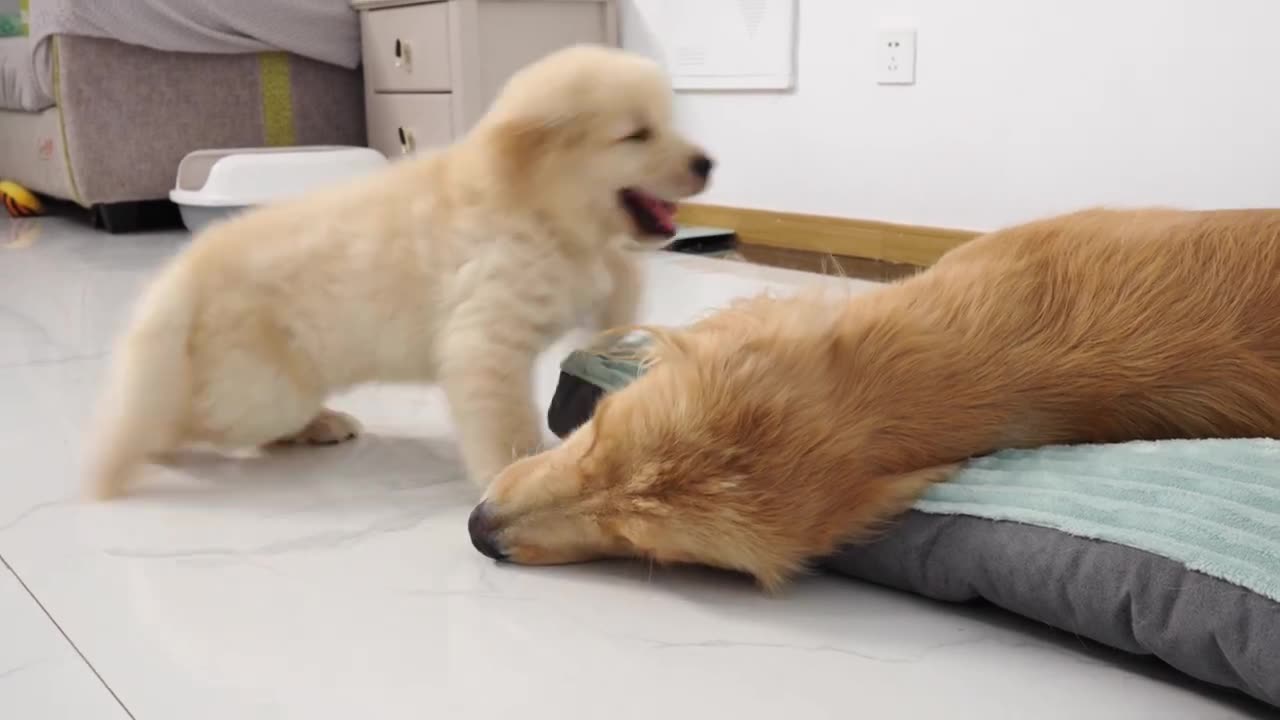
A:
<point x="236" y="177"/>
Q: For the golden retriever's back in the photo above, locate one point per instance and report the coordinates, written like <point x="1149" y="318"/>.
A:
<point x="1127" y="317"/>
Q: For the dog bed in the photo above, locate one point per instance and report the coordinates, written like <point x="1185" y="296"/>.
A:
<point x="1170" y="549"/>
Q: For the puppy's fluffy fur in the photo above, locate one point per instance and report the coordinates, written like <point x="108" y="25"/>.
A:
<point x="774" y="431"/>
<point x="458" y="267"/>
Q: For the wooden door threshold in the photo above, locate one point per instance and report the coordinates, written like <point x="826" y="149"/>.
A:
<point x="910" y="245"/>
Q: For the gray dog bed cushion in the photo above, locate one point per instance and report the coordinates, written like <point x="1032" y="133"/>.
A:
<point x="1119" y="596"/>
<point x="1169" y="549"/>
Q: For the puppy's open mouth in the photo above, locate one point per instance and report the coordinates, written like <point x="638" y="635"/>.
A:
<point x="651" y="215"/>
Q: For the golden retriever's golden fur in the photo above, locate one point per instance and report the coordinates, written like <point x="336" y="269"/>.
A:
<point x="774" y="431"/>
<point x="457" y="267"/>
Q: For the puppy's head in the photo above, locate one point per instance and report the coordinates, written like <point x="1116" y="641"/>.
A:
<point x="593" y="126"/>
<point x="734" y="450"/>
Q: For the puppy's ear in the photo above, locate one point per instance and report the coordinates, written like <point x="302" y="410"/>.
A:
<point x="526" y="139"/>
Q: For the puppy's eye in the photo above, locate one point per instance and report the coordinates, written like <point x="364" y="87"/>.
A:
<point x="644" y="134"/>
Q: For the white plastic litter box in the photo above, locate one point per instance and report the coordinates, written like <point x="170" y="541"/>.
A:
<point x="214" y="184"/>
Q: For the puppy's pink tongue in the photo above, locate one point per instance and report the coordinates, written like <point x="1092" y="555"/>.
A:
<point x="662" y="210"/>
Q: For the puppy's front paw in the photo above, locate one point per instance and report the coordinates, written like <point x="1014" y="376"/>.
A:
<point x="329" y="427"/>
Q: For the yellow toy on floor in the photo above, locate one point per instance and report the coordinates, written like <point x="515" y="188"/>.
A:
<point x="19" y="201"/>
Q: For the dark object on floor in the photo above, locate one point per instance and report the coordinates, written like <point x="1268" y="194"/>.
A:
<point x="609" y="363"/>
<point x="129" y="217"/>
<point x="702" y="241"/>
<point x="573" y="404"/>
<point x="826" y="263"/>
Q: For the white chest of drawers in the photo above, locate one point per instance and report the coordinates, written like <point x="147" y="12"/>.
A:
<point x="431" y="68"/>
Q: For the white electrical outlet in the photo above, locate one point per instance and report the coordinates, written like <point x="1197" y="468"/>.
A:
<point x="896" y="57"/>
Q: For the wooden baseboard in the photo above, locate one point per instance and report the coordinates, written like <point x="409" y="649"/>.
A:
<point x="908" y="244"/>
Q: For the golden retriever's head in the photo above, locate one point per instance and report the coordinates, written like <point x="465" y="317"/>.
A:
<point x="591" y="127"/>
<point x="734" y="450"/>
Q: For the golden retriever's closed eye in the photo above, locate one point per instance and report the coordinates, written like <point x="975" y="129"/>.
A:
<point x="774" y="431"/>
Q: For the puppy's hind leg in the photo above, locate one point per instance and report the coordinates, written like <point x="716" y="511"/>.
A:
<point x="328" y="427"/>
<point x="252" y="402"/>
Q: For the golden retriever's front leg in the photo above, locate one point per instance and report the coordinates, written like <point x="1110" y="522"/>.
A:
<point x="489" y="387"/>
<point x="622" y="306"/>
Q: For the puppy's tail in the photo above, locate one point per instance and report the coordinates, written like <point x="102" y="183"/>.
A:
<point x="148" y="390"/>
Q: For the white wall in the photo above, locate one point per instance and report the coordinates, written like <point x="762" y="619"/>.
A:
<point x="1021" y="108"/>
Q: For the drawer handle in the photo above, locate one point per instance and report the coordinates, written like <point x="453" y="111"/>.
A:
<point x="406" y="140"/>
<point x="402" y="53"/>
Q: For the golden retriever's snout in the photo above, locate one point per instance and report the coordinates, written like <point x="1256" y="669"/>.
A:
<point x="483" y="529"/>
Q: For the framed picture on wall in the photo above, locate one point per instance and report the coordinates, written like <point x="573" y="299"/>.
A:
<point x="723" y="44"/>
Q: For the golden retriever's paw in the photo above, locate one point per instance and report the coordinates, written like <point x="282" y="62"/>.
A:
<point x="329" y="427"/>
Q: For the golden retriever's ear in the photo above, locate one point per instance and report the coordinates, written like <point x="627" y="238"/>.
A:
<point x="667" y="344"/>
<point x="894" y="495"/>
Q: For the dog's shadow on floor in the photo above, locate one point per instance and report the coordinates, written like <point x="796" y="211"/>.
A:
<point x="369" y="466"/>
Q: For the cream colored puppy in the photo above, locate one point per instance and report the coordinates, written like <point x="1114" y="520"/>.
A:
<point x="457" y="267"/>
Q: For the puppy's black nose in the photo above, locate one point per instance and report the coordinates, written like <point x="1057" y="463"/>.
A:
<point x="701" y="166"/>
<point x="482" y="527"/>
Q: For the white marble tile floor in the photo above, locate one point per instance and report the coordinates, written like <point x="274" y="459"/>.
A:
<point x="340" y="583"/>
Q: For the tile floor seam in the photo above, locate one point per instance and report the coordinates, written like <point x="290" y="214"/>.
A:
<point x="25" y="588"/>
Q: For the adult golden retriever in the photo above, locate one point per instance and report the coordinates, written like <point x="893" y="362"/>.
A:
<point x="457" y="267"/>
<point x="772" y="432"/>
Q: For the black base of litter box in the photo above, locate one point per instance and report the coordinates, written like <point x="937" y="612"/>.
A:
<point x="130" y="217"/>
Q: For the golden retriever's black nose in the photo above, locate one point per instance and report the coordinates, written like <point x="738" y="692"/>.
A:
<point x="701" y="166"/>
<point x="482" y="527"/>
